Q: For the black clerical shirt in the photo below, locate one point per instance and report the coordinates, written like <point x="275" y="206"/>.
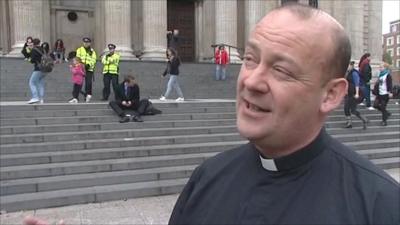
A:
<point x="323" y="183"/>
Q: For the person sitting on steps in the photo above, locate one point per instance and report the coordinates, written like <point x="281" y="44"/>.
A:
<point x="127" y="97"/>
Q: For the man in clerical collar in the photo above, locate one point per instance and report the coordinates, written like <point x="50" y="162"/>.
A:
<point x="291" y="171"/>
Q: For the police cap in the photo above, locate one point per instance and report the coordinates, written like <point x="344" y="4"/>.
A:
<point x="111" y="46"/>
<point x="86" y="40"/>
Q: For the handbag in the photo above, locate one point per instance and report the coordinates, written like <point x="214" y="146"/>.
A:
<point x="375" y="90"/>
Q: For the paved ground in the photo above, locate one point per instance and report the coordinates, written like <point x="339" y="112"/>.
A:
<point x="151" y="210"/>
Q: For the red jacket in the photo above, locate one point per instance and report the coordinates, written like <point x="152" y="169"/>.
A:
<point x="221" y="57"/>
<point x="78" y="72"/>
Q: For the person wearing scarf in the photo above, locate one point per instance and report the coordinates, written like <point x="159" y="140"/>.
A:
<point x="383" y="89"/>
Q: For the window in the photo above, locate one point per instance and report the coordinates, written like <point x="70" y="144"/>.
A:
<point x="394" y="28"/>
<point x="398" y="39"/>
<point x="398" y="63"/>
<point x="389" y="41"/>
<point x="398" y="51"/>
<point x="390" y="51"/>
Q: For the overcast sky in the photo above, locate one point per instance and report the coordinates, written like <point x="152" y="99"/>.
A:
<point x="390" y="12"/>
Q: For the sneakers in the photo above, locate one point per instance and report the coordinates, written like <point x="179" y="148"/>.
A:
<point x="180" y="99"/>
<point x="371" y="108"/>
<point x="162" y="98"/>
<point x="74" y="100"/>
<point x="88" y="97"/>
<point x="33" y="100"/>
<point x="41" y="101"/>
<point x="384" y="123"/>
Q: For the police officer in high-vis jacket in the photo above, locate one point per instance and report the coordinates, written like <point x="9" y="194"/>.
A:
<point x="88" y="56"/>
<point x="110" y="63"/>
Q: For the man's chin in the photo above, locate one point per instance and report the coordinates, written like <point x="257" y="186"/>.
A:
<point x="250" y="133"/>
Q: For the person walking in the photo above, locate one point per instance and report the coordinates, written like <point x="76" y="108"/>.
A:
<point x="36" y="81"/>
<point x="173" y="71"/>
<point x="366" y="75"/>
<point x="353" y="93"/>
<point x="78" y="75"/>
<point x="88" y="56"/>
<point x="110" y="71"/>
<point x="221" y="60"/>
<point x="383" y="91"/>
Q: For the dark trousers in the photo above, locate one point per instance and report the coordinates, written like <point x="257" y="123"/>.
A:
<point x="138" y="109"/>
<point x="381" y="105"/>
<point x="107" y="79"/>
<point x="76" y="90"/>
<point x="350" y="106"/>
<point x="88" y="82"/>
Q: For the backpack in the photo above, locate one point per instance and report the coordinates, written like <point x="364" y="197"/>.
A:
<point x="46" y="63"/>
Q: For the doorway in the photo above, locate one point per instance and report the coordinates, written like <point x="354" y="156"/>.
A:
<point x="180" y="14"/>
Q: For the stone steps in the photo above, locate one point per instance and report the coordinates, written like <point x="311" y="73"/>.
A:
<point x="61" y="154"/>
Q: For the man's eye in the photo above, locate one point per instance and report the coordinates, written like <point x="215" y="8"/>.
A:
<point x="281" y="70"/>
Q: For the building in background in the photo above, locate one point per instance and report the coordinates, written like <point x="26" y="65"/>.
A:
<point x="138" y="27"/>
<point x="391" y="43"/>
<point x="391" y="46"/>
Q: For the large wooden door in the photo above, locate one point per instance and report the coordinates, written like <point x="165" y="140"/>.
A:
<point x="181" y="17"/>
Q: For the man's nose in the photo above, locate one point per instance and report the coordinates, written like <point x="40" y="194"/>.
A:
<point x="257" y="81"/>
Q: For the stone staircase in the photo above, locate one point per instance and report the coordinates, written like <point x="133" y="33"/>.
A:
<point x="59" y="154"/>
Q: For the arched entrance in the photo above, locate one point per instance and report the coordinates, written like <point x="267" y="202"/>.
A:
<point x="180" y="16"/>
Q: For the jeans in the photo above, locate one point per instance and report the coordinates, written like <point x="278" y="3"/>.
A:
<point x="173" y="83"/>
<point x="36" y="84"/>
<point x="366" y="89"/>
<point x="220" y="72"/>
<point x="107" y="79"/>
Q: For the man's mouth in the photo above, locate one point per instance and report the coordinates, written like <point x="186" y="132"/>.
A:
<point x="256" y="108"/>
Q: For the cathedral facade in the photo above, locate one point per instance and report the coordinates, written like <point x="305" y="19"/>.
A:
<point x="138" y="27"/>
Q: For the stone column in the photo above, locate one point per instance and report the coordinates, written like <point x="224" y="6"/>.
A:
<point x="27" y="17"/>
<point x="374" y="31"/>
<point x="118" y="26"/>
<point x="254" y="11"/>
<point x="355" y="26"/>
<point x="154" y="30"/>
<point x="226" y="26"/>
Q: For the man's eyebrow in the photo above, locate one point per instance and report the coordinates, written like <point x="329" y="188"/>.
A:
<point x="276" y="56"/>
<point x="252" y="45"/>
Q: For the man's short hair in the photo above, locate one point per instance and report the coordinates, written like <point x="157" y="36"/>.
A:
<point x="36" y="41"/>
<point x="338" y="61"/>
<point x="129" y="78"/>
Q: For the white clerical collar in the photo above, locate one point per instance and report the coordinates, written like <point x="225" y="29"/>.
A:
<point x="268" y="164"/>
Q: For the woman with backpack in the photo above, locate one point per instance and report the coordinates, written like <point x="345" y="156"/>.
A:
<point x="36" y="81"/>
<point x="353" y="93"/>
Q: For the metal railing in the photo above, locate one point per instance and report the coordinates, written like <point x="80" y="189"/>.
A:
<point x="240" y="50"/>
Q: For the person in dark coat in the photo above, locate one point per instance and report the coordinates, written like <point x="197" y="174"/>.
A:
<point x="127" y="97"/>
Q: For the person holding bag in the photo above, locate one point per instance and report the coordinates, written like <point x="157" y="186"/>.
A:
<point x="383" y="91"/>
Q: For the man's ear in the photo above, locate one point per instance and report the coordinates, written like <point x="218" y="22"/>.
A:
<point x="334" y="92"/>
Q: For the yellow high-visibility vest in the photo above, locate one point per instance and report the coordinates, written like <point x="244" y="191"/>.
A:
<point x="111" y="63"/>
<point x="86" y="58"/>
